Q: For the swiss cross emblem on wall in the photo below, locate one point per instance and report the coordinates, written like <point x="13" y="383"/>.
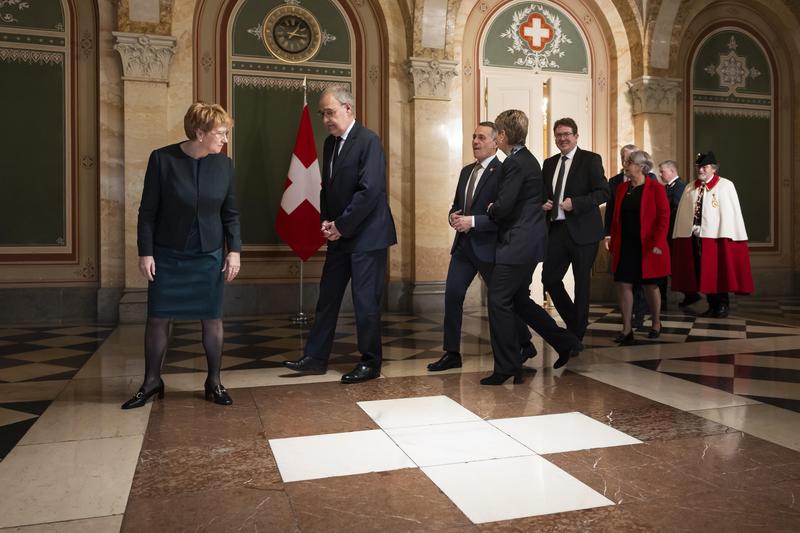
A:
<point x="536" y="32"/>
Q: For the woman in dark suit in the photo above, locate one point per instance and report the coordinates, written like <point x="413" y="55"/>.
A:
<point x="639" y="251"/>
<point x="187" y="221"/>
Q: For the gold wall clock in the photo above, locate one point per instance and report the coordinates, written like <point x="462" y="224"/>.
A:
<point x="292" y="33"/>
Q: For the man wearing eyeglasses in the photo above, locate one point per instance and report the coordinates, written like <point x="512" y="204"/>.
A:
<point x="358" y="224"/>
<point x="576" y="186"/>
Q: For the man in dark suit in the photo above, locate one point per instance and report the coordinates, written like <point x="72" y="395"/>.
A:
<point x="474" y="244"/>
<point x="639" y="301"/>
<point x="576" y="186"/>
<point x="668" y="170"/>
<point x="359" y="227"/>
<point x="521" y="244"/>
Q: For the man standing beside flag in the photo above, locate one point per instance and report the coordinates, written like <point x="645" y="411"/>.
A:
<point x="358" y="225"/>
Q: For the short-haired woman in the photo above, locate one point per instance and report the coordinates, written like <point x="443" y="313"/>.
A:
<point x="639" y="250"/>
<point x="187" y="221"/>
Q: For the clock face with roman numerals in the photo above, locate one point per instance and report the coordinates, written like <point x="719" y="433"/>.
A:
<point x="291" y="33"/>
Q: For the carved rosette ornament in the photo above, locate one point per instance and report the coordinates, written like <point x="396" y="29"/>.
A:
<point x="430" y="78"/>
<point x="654" y="95"/>
<point x="145" y="57"/>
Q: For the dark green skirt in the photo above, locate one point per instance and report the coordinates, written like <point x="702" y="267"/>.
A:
<point x="187" y="285"/>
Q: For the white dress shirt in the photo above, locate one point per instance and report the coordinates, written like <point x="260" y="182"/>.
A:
<point x="567" y="164"/>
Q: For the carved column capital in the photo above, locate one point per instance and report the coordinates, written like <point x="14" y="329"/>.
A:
<point x="145" y="57"/>
<point x="654" y="95"/>
<point x="430" y="78"/>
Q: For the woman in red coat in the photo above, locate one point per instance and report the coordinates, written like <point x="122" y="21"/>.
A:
<point x="639" y="250"/>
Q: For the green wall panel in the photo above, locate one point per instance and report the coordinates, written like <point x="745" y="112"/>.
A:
<point x="567" y="54"/>
<point x="247" y="36"/>
<point x="32" y="176"/>
<point x="32" y="14"/>
<point x="742" y="147"/>
<point x="720" y="45"/>
<point x="264" y="135"/>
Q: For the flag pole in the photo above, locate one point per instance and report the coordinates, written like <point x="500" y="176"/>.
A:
<point x="301" y="317"/>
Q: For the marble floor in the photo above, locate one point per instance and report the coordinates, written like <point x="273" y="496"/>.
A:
<point x="694" y="431"/>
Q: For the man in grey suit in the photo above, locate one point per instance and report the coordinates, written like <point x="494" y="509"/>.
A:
<point x="474" y="244"/>
<point x="521" y="245"/>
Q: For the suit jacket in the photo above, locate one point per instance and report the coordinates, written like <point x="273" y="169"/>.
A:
<point x="517" y="211"/>
<point x="171" y="200"/>
<point x="674" y="193"/>
<point x="354" y="195"/>
<point x="482" y="239"/>
<point x="586" y="185"/>
<point x="654" y="220"/>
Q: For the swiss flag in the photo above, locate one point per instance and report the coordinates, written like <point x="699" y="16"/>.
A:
<point x="298" y="218"/>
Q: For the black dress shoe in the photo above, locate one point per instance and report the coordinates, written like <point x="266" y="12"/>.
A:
<point x="620" y="337"/>
<point x="654" y="333"/>
<point x="307" y="365"/>
<point x="564" y="357"/>
<point x="448" y="360"/>
<point x="217" y="394"/>
<point x="528" y="351"/>
<point x="499" y="379"/>
<point x="689" y="299"/>
<point x="721" y="312"/>
<point x="361" y="373"/>
<point x="142" y="396"/>
<point x="708" y="312"/>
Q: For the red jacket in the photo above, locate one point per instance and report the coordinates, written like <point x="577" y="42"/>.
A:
<point x="654" y="213"/>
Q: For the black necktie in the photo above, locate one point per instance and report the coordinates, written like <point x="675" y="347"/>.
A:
<point x="471" y="188"/>
<point x="335" y="153"/>
<point x="559" y="186"/>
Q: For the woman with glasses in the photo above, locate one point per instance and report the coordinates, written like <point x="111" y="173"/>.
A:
<point x="189" y="244"/>
<point x="639" y="250"/>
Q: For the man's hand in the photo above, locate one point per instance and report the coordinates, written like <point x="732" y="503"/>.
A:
<point x="330" y="232"/>
<point x="453" y="214"/>
<point x="656" y="250"/>
<point x="461" y="223"/>
<point x="548" y="205"/>
<point x="147" y="266"/>
<point x="566" y="205"/>
<point x="607" y="243"/>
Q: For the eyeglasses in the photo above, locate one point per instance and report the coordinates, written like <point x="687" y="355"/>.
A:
<point x="563" y="135"/>
<point x="223" y="134"/>
<point x="328" y="113"/>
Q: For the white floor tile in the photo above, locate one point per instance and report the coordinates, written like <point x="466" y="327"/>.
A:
<point x="763" y="421"/>
<point x="504" y="489"/>
<point x="747" y="359"/>
<point x="455" y="443"/>
<point x="420" y="411"/>
<point x="563" y="432"/>
<point x="337" y="454"/>
<point x="698" y="368"/>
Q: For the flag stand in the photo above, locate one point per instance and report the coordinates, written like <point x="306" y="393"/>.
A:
<point x="301" y="317"/>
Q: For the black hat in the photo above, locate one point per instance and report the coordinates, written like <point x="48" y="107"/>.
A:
<point x="706" y="159"/>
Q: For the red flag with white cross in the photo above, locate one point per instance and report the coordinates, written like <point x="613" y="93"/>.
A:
<point x="298" y="221"/>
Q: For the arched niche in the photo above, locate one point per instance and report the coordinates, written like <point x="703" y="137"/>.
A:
<point x="233" y="66"/>
<point x="48" y="205"/>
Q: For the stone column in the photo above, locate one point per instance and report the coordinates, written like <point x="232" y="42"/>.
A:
<point x="655" y="115"/>
<point x="145" y="67"/>
<point x="432" y="190"/>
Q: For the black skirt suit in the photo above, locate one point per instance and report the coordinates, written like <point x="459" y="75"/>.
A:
<point x="187" y="218"/>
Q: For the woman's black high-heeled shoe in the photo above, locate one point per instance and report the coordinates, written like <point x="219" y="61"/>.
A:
<point x="217" y="394"/>
<point x="499" y="379"/>
<point x="627" y="340"/>
<point x="142" y="396"/>
<point x="654" y="333"/>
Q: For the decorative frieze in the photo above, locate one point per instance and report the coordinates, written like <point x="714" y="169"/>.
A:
<point x="430" y="78"/>
<point x="145" y="57"/>
<point x="654" y="95"/>
<point x="285" y="84"/>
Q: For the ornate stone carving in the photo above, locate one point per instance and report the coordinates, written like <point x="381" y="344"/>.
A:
<point x="207" y="61"/>
<point x="467" y="70"/>
<point x="373" y="73"/>
<point x="430" y="78"/>
<point x="87" y="271"/>
<point x="87" y="44"/>
<point x="654" y="95"/>
<point x="87" y="161"/>
<point x="145" y="57"/>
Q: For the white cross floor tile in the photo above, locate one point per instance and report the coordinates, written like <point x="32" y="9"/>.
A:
<point x="490" y="469"/>
<point x="337" y="454"/>
<point x="455" y="443"/>
<point x="563" y="432"/>
<point x="421" y="411"/>
<point x="504" y="489"/>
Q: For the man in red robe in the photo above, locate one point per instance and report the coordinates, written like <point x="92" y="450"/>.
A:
<point x="709" y="247"/>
